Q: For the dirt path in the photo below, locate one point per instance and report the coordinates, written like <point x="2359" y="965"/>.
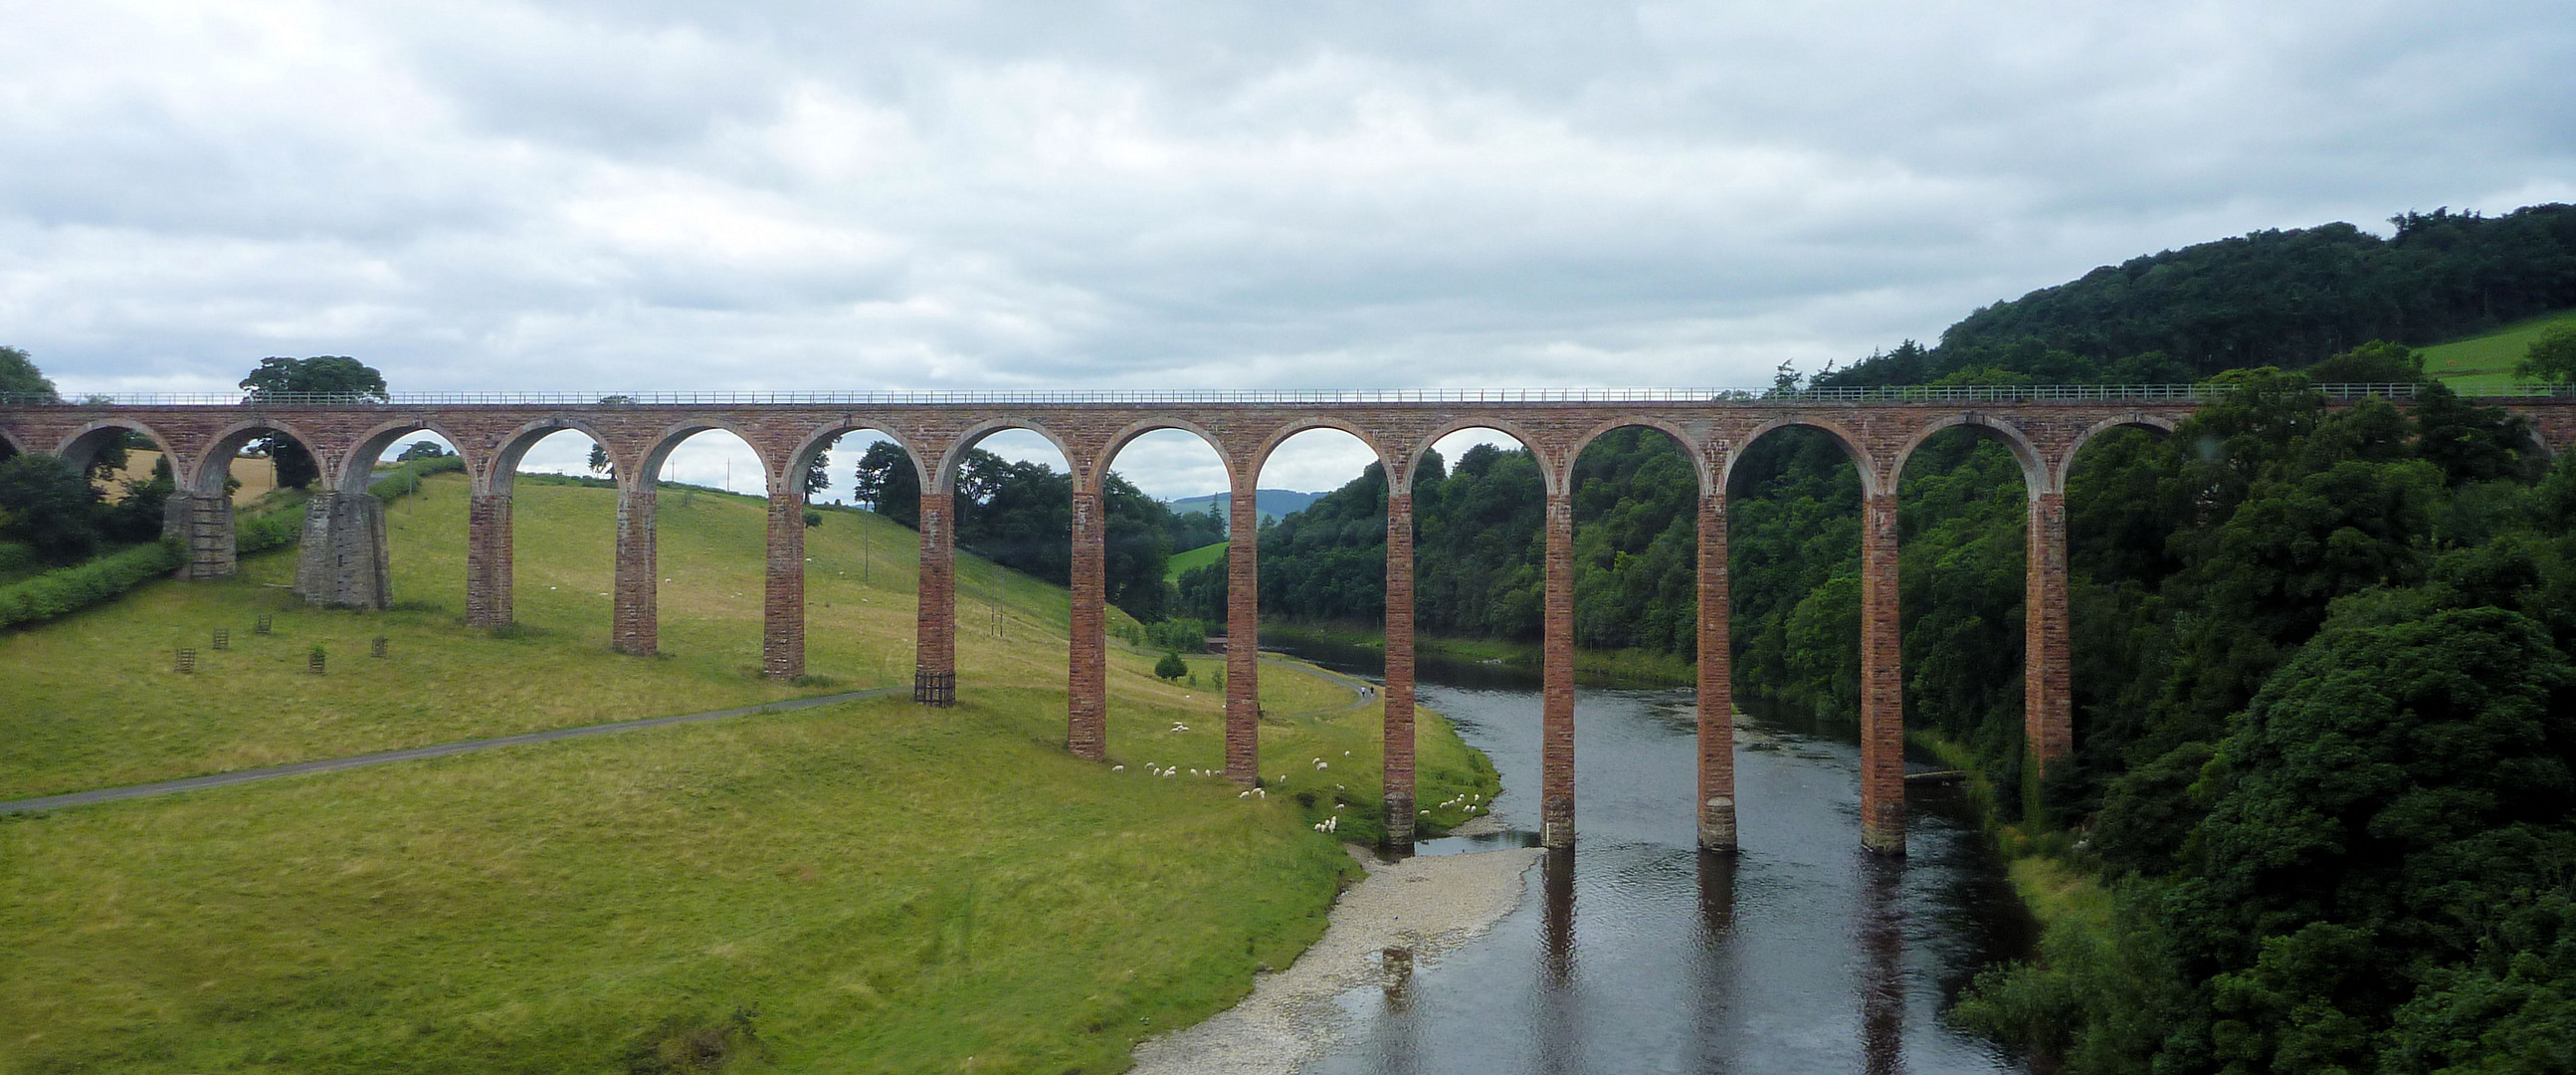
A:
<point x="325" y="765"/>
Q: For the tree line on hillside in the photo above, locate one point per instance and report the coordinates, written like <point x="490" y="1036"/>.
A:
<point x="2270" y="298"/>
<point x="1018" y="514"/>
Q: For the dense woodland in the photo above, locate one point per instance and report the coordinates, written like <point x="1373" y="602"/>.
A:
<point x="2326" y="721"/>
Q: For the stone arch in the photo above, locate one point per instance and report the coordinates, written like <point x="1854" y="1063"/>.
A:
<point x="1849" y="441"/>
<point x="673" y="435"/>
<point x="356" y="471"/>
<point x="820" y="438"/>
<point x="9" y="446"/>
<point x="1127" y="434"/>
<point x="1681" y="436"/>
<point x="84" y="443"/>
<point x="503" y="464"/>
<point x="2035" y="475"/>
<point x="943" y="479"/>
<point x="1547" y="467"/>
<point x="215" y="464"/>
<point x="2065" y="465"/>
<point x="1280" y="435"/>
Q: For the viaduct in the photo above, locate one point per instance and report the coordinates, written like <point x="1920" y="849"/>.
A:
<point x="343" y="559"/>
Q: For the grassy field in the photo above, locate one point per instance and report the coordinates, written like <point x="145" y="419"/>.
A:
<point x="1194" y="558"/>
<point x="2486" y="362"/>
<point x="866" y="887"/>
<point x="95" y="699"/>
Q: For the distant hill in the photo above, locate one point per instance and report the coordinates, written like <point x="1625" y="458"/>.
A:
<point x="2270" y="298"/>
<point x="1271" y="503"/>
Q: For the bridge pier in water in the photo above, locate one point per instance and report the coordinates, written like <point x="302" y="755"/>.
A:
<point x="1882" y="680"/>
<point x="1716" y="690"/>
<point x="1556" y="687"/>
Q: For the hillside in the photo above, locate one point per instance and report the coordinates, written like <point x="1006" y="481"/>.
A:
<point x="864" y="886"/>
<point x="1270" y="504"/>
<point x="2270" y="298"/>
<point x="2485" y="361"/>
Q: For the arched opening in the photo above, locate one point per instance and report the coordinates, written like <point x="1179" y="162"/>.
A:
<point x="245" y="496"/>
<point x="1965" y="503"/>
<point x="1478" y="501"/>
<point x="542" y="537"/>
<point x="2120" y="507"/>
<point x="1147" y="647"/>
<point x="861" y="564"/>
<point x="1635" y="495"/>
<point x="1798" y="533"/>
<point x="1010" y="491"/>
<point x="704" y="586"/>
<point x="390" y="516"/>
<point x="1793" y="579"/>
<point x="132" y="476"/>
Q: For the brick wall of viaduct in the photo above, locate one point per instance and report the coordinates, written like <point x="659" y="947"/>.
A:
<point x="344" y="558"/>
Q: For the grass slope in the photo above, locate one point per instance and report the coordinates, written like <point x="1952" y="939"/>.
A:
<point x="867" y="887"/>
<point x="2486" y="362"/>
<point x="1192" y="559"/>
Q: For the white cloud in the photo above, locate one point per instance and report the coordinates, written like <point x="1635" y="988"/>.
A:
<point x="594" y="196"/>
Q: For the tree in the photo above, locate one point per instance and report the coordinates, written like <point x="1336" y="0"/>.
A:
<point x="20" y="378"/>
<point x="599" y="463"/>
<point x="2552" y="357"/>
<point x="2390" y="798"/>
<point x="888" y="483"/>
<point x="420" y="449"/>
<point x="326" y="375"/>
<point x="49" y="507"/>
<point x="1171" y="666"/>
<point x="817" y="478"/>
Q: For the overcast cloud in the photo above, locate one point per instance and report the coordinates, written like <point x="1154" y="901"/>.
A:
<point x="644" y="197"/>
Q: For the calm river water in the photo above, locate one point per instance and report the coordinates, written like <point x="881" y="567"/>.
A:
<point x="1636" y="953"/>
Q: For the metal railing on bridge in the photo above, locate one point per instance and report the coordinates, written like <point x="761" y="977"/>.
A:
<point x="1835" y="396"/>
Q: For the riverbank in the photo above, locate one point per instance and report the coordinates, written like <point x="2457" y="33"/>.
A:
<point x="1594" y="668"/>
<point x="1380" y="929"/>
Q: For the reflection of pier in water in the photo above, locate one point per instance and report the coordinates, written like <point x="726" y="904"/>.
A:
<point x="1640" y="952"/>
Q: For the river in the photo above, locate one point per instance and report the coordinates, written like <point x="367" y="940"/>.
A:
<point x="1635" y="952"/>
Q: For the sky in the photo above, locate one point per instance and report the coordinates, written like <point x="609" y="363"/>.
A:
<point x="640" y="196"/>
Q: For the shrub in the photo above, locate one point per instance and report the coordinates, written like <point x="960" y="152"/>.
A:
<point x="269" y="530"/>
<point x="70" y="589"/>
<point x="1171" y="667"/>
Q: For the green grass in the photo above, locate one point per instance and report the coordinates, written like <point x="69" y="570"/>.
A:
<point x="1182" y="562"/>
<point x="2483" y="363"/>
<point x="94" y="699"/>
<point x="866" y="887"/>
<point x="879" y="891"/>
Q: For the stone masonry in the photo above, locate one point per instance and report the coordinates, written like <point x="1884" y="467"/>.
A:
<point x="1398" y="770"/>
<point x="344" y="561"/>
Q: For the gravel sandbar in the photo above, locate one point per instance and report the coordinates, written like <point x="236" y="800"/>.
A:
<point x="1419" y="907"/>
